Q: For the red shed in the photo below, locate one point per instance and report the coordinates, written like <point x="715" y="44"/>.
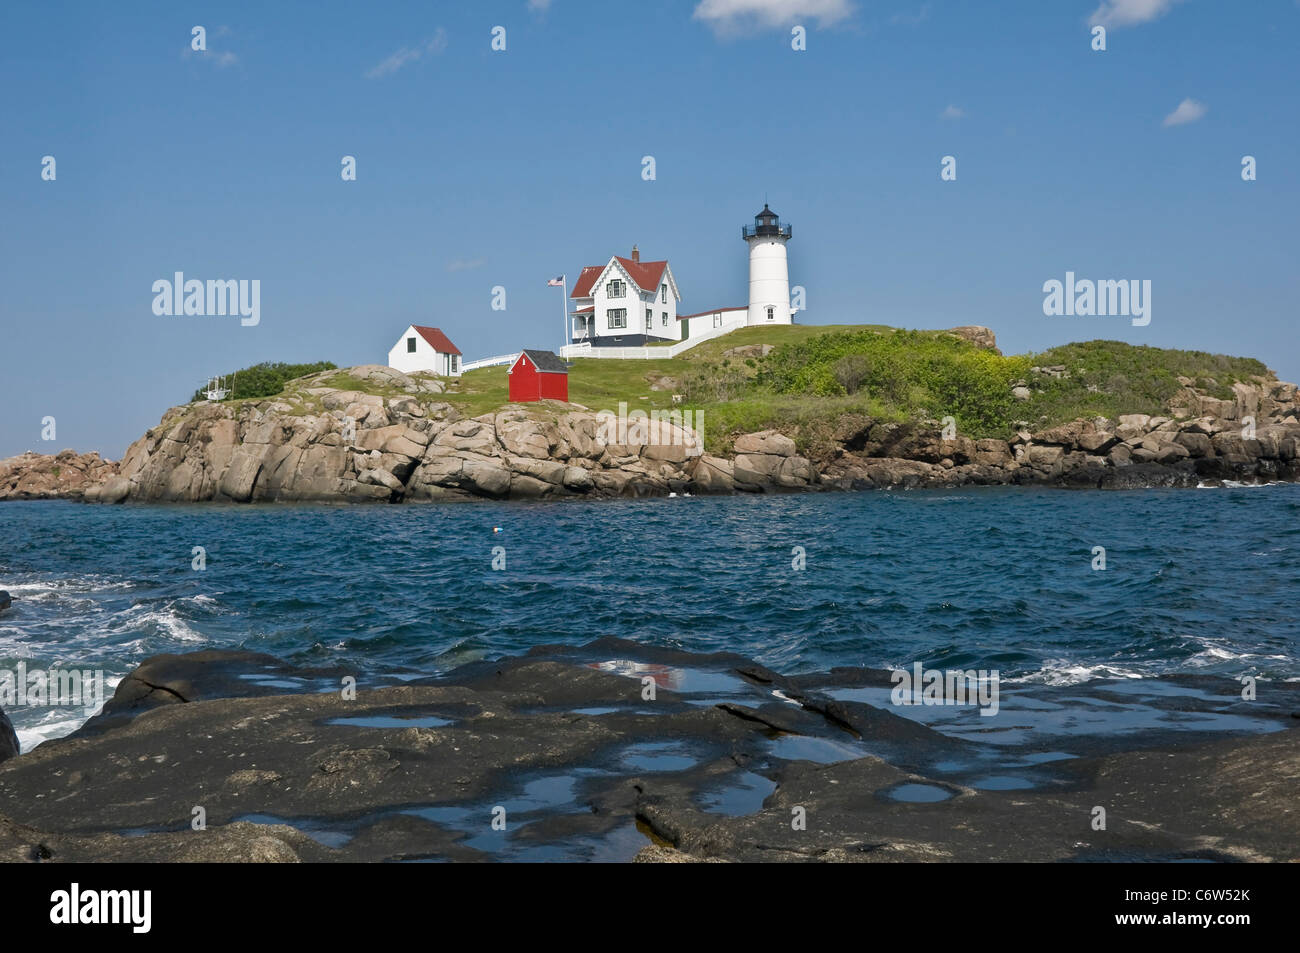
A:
<point x="538" y="375"/>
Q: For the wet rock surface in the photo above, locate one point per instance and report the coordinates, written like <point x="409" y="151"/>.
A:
<point x="616" y="751"/>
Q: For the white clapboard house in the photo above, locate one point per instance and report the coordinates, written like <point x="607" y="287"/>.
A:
<point x="625" y="302"/>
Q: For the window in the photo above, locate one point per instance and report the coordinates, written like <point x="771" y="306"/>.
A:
<point x="663" y="318"/>
<point x="717" y="320"/>
<point x="410" y="345"/>
<point x="455" y="363"/>
<point x="649" y="318"/>
<point x="663" y="294"/>
<point x="615" y="288"/>
<point x="771" y="313"/>
<point x="616" y="317"/>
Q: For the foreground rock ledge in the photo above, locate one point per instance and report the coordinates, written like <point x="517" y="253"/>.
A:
<point x="587" y="768"/>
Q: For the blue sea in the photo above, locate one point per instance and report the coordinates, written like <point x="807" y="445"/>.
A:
<point x="1195" y="581"/>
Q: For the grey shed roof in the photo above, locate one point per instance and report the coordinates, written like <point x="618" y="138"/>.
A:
<point x="546" y="361"/>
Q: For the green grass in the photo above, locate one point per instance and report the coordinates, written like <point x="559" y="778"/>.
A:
<point x="711" y="350"/>
<point x="595" y="383"/>
<point x="481" y="391"/>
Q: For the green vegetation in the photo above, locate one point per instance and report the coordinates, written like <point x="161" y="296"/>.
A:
<point x="814" y="376"/>
<point x="918" y="374"/>
<point x="265" y="380"/>
<point x="1108" y="378"/>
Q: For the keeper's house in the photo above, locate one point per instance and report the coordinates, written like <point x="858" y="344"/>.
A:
<point x="425" y="349"/>
<point x="538" y="375"/>
<point x="625" y="302"/>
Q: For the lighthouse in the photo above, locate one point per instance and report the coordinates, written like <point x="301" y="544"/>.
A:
<point x="769" y="275"/>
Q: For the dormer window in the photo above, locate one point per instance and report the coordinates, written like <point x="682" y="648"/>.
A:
<point x="615" y="288"/>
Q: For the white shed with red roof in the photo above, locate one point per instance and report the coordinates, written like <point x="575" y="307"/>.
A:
<point x="423" y="348"/>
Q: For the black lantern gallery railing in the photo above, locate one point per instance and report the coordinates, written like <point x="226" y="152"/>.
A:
<point x="766" y="230"/>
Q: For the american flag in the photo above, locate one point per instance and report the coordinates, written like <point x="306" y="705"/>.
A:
<point x="556" y="282"/>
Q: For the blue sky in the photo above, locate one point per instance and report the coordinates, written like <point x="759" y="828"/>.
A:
<point x="478" y="168"/>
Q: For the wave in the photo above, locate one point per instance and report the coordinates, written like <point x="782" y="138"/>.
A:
<point x="1062" y="672"/>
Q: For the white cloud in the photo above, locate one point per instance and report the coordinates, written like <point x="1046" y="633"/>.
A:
<point x="409" y="54"/>
<point x="225" y="59"/>
<point x="1189" y="110"/>
<point x="727" y="16"/>
<point x="1119" y="13"/>
<point x="461" y="264"/>
<point x="539" y="6"/>
<point x="952" y="112"/>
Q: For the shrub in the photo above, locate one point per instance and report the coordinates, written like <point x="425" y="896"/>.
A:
<point x="265" y="380"/>
<point x="850" y="371"/>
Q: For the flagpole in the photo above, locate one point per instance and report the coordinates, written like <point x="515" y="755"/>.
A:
<point x="564" y="309"/>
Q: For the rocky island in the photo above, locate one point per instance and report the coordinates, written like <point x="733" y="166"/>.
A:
<point x="374" y="434"/>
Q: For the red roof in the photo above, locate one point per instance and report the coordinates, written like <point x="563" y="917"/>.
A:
<point x="439" y="341"/>
<point x="585" y="310"/>
<point x="585" y="280"/>
<point x="700" y="314"/>
<point x="647" y="274"/>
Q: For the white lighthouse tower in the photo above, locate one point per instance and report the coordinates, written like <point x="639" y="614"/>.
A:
<point x="769" y="275"/>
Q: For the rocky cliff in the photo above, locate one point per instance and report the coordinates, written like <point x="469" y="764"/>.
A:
<point x="1253" y="437"/>
<point x="393" y="437"/>
<point x="393" y="440"/>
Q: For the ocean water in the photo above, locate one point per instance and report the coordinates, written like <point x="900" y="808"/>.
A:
<point x="1196" y="581"/>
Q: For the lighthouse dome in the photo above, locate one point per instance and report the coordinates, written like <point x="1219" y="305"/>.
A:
<point x="767" y="224"/>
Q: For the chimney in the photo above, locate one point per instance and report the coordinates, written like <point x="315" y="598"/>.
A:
<point x="636" y="255"/>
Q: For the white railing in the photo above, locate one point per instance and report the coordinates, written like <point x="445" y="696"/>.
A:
<point x="661" y="352"/>
<point x="490" y="362"/>
<point x="647" y="353"/>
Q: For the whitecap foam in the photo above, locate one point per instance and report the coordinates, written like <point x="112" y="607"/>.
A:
<point x="1063" y="672"/>
<point x="35" y="726"/>
<point x="90" y="583"/>
<point x="145" y="621"/>
<point x="68" y="721"/>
